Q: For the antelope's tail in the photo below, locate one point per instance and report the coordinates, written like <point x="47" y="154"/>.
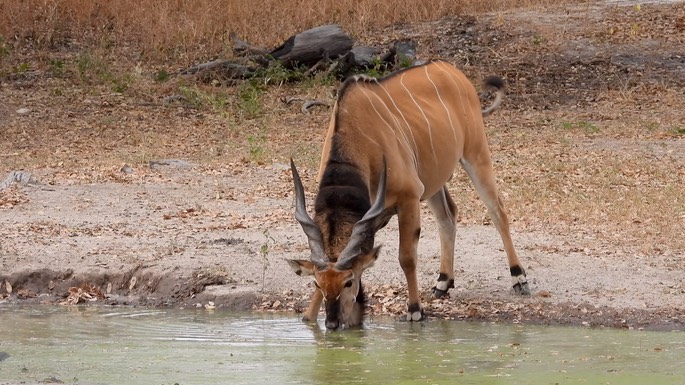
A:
<point x="497" y="83"/>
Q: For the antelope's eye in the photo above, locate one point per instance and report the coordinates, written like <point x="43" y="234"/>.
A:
<point x="348" y="283"/>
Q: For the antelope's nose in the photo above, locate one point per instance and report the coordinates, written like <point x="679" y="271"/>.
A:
<point x="332" y="325"/>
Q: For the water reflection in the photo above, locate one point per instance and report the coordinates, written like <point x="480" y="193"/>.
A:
<point x="108" y="346"/>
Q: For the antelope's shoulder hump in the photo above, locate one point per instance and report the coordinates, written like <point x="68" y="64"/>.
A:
<point x="352" y="82"/>
<point x="362" y="80"/>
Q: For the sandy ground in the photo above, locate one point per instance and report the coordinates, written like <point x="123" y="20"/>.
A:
<point x="167" y="240"/>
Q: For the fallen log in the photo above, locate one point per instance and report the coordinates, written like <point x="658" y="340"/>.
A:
<point x="243" y="48"/>
<point x="220" y="70"/>
<point x="309" y="47"/>
<point x="306" y="49"/>
<point x="313" y="50"/>
<point x="359" y="58"/>
<point x="402" y="54"/>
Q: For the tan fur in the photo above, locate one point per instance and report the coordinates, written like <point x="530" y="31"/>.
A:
<point x="423" y="121"/>
<point x="403" y="119"/>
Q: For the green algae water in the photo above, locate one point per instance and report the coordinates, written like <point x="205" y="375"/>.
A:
<point x="143" y="346"/>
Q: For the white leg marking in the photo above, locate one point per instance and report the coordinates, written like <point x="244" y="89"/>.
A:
<point x="519" y="279"/>
<point x="416" y="316"/>
<point x="443" y="285"/>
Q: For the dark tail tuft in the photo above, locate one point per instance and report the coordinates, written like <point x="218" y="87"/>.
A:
<point x="497" y="83"/>
<point x="494" y="82"/>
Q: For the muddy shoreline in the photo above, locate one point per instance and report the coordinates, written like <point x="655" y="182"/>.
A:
<point x="199" y="292"/>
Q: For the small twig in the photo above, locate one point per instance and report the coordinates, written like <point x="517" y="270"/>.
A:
<point x="334" y="68"/>
<point x="321" y="63"/>
<point x="291" y="99"/>
<point x="174" y="98"/>
<point x="203" y="67"/>
<point x="311" y="103"/>
<point x="306" y="103"/>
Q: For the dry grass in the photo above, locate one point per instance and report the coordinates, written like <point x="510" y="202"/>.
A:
<point x="611" y="170"/>
<point x="185" y="30"/>
<point x="625" y="189"/>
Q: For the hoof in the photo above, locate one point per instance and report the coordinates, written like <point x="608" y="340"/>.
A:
<point x="415" y="314"/>
<point x="521" y="288"/>
<point x="437" y="293"/>
<point x="443" y="286"/>
<point x="520" y="283"/>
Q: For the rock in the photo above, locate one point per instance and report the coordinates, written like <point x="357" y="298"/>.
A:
<point x="173" y="163"/>
<point x="280" y="166"/>
<point x="21" y="177"/>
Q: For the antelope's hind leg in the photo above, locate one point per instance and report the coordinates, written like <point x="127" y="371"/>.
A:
<point x="445" y="211"/>
<point x="479" y="169"/>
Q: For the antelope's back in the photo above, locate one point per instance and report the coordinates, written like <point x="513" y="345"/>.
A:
<point x="419" y="118"/>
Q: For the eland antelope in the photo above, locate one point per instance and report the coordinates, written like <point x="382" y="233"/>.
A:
<point x="392" y="143"/>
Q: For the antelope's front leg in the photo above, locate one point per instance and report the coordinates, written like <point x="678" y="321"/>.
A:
<point x="312" y="312"/>
<point x="409" y="217"/>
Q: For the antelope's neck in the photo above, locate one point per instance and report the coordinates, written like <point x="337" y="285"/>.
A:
<point x="342" y="201"/>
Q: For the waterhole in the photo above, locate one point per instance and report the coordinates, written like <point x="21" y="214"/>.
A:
<point x="88" y="345"/>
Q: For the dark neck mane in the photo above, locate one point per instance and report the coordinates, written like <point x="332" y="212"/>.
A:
<point x="342" y="201"/>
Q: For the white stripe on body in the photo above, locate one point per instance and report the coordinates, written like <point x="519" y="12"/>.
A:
<point x="465" y="89"/>
<point x="428" y="123"/>
<point x="405" y="143"/>
<point x="343" y="110"/>
<point x="398" y="127"/>
<point x="460" y="85"/>
<point x="406" y="124"/>
<point x="447" y="111"/>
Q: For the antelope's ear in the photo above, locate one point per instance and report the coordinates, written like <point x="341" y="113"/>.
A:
<point x="367" y="260"/>
<point x="301" y="266"/>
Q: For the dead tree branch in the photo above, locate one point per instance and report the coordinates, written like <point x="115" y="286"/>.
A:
<point x="243" y="48"/>
<point x="306" y="103"/>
